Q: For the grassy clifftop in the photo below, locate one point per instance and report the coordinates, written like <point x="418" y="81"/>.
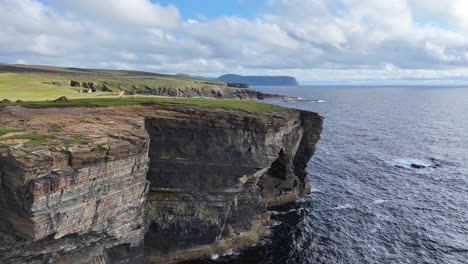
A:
<point x="35" y="83"/>
<point x="39" y="86"/>
<point x="198" y="102"/>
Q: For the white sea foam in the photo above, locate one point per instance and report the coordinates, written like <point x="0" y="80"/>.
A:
<point x="379" y="201"/>
<point x="230" y="252"/>
<point x="406" y="163"/>
<point x="275" y="223"/>
<point x="341" y="207"/>
<point x="286" y="212"/>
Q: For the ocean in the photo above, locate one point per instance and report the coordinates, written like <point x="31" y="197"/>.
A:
<point x="368" y="205"/>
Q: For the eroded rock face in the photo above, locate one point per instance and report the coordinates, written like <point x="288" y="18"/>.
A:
<point x="214" y="174"/>
<point x="77" y="198"/>
<point x="152" y="185"/>
<point x="56" y="203"/>
<point x="215" y="92"/>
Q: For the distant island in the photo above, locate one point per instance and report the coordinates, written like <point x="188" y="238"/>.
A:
<point x="259" y="80"/>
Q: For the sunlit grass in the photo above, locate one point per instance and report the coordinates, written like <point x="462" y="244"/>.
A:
<point x="205" y="103"/>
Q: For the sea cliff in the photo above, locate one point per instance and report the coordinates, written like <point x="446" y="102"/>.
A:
<point x="145" y="184"/>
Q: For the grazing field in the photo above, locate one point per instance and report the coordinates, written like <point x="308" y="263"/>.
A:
<point x="30" y="87"/>
<point x="33" y="83"/>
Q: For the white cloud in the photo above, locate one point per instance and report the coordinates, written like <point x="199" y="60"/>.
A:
<point x="311" y="39"/>
<point x="134" y="12"/>
<point x="451" y="11"/>
<point x="128" y="55"/>
<point x="192" y="21"/>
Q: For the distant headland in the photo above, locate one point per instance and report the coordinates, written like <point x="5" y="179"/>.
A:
<point x="259" y="80"/>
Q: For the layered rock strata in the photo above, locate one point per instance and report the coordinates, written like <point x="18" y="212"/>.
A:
<point x="212" y="177"/>
<point x="145" y="183"/>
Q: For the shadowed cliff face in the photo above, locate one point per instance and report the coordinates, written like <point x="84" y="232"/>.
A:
<point x="213" y="175"/>
<point x="210" y="176"/>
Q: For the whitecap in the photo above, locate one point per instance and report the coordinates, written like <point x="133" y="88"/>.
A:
<point x="406" y="163"/>
<point x="230" y="252"/>
<point x="275" y="223"/>
<point x="341" y="207"/>
<point x="379" y="201"/>
<point x="285" y="212"/>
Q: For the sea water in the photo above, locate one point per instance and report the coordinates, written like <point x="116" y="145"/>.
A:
<point x="368" y="205"/>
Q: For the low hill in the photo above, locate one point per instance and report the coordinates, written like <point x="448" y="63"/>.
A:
<point x="259" y="80"/>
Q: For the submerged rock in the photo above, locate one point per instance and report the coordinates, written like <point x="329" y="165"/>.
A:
<point x="418" y="166"/>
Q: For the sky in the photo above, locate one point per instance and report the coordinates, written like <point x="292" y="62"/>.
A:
<point x="317" y="41"/>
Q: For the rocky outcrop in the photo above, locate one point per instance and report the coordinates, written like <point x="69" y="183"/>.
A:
<point x="60" y="83"/>
<point x="147" y="183"/>
<point x="214" y="92"/>
<point x="73" y="204"/>
<point x="92" y="86"/>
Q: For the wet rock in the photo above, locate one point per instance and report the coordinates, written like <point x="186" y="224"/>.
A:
<point x="418" y="166"/>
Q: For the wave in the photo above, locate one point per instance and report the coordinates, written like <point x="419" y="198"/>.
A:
<point x="407" y="163"/>
<point x="230" y="252"/>
<point x="341" y="207"/>
<point x="379" y="201"/>
<point x="286" y="212"/>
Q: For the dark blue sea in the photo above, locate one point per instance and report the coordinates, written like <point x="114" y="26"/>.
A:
<point x="368" y="204"/>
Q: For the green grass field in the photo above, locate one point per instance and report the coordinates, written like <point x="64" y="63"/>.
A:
<point x="205" y="103"/>
<point x="30" y="84"/>
<point x="29" y="87"/>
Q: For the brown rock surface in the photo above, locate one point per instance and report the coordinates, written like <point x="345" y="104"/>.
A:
<point x="62" y="99"/>
<point x="82" y="197"/>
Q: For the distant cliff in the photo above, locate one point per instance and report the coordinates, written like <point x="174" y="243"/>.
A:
<point x="259" y="80"/>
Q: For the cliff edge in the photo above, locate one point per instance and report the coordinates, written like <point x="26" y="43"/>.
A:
<point x="145" y="184"/>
